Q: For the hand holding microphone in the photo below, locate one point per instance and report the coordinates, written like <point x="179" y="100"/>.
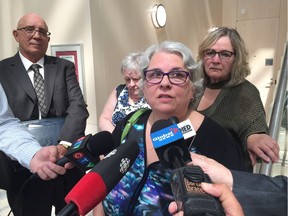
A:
<point x="84" y="152"/>
<point x="185" y="181"/>
<point x="96" y="184"/>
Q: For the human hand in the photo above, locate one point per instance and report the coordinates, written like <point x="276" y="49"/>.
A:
<point x="61" y="149"/>
<point x="43" y="163"/>
<point x="61" y="153"/>
<point x="263" y="146"/>
<point x="216" y="171"/>
<point x="228" y="200"/>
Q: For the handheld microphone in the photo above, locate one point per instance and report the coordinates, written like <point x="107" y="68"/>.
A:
<point x="169" y="143"/>
<point x="84" y="152"/>
<point x="96" y="184"/>
<point x="173" y="153"/>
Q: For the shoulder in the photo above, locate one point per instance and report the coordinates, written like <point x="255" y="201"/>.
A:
<point x="117" y="132"/>
<point x="245" y="92"/>
<point x="11" y="60"/>
<point x="246" y="86"/>
<point x="119" y="88"/>
<point x="211" y="127"/>
<point x="57" y="60"/>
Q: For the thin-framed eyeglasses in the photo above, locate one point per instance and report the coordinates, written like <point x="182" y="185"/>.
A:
<point x="175" y="77"/>
<point x="223" y="55"/>
<point x="31" y="30"/>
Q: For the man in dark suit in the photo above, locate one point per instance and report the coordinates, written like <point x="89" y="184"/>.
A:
<point x="61" y="97"/>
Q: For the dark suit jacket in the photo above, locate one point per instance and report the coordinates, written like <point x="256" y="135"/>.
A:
<point x="63" y="94"/>
<point x="260" y="195"/>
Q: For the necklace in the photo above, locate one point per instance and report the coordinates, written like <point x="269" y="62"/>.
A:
<point x="217" y="85"/>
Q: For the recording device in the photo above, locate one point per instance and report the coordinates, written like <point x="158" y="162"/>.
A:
<point x="96" y="184"/>
<point x="84" y="152"/>
<point x="185" y="180"/>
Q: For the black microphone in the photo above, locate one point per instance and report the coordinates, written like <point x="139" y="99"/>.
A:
<point x="96" y="184"/>
<point x="173" y="153"/>
<point x="169" y="143"/>
<point x="84" y="152"/>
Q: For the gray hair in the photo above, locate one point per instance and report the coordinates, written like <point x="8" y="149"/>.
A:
<point x="176" y="48"/>
<point x="132" y="62"/>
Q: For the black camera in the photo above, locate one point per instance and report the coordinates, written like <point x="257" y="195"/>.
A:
<point x="189" y="196"/>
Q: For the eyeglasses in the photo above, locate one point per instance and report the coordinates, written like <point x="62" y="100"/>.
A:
<point x="31" y="30"/>
<point x="223" y="55"/>
<point x="175" y="77"/>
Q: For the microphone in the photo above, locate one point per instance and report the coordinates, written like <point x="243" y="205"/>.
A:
<point x="84" y="152"/>
<point x="169" y="143"/>
<point x="95" y="185"/>
<point x="173" y="153"/>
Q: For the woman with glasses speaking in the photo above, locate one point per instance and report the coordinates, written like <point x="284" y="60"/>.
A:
<point x="168" y="72"/>
<point x="229" y="99"/>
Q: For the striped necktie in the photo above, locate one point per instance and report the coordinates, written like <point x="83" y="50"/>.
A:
<point x="39" y="89"/>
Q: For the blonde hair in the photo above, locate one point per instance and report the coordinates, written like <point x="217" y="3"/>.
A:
<point x="240" y="68"/>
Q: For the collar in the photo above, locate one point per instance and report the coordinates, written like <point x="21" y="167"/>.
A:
<point x="217" y="85"/>
<point x="27" y="63"/>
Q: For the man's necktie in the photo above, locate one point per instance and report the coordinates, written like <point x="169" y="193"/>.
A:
<point x="39" y="88"/>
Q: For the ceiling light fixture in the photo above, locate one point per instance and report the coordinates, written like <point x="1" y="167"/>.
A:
<point x="158" y="16"/>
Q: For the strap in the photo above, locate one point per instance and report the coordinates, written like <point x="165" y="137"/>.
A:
<point x="131" y="121"/>
<point x="119" y="89"/>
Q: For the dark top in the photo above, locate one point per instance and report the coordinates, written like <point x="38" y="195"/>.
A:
<point x="240" y="110"/>
<point x="146" y="189"/>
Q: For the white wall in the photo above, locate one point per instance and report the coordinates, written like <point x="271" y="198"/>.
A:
<point x="110" y="29"/>
<point x="69" y="22"/>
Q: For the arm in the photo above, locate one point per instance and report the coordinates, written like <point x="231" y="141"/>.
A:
<point x="16" y="141"/>
<point x="71" y="103"/>
<point x="98" y="210"/>
<point x="258" y="143"/>
<point x="105" y="120"/>
<point x="18" y="144"/>
<point x="263" y="146"/>
<point x="258" y="194"/>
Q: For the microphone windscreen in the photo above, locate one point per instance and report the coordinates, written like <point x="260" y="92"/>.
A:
<point x="160" y="124"/>
<point x="101" y="143"/>
<point x="174" y="120"/>
<point x="169" y="144"/>
<point x="95" y="185"/>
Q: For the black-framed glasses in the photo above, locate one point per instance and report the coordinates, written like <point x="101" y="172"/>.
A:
<point x="176" y="77"/>
<point x="31" y="30"/>
<point x="223" y="55"/>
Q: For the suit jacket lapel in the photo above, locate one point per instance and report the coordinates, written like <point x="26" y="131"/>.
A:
<point x="50" y="72"/>
<point x="19" y="72"/>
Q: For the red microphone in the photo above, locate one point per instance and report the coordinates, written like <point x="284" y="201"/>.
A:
<point x="96" y="184"/>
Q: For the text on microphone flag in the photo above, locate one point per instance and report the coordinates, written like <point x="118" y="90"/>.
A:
<point x="166" y="135"/>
